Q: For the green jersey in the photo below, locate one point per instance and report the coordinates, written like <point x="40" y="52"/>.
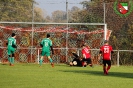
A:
<point x="46" y="42"/>
<point x="11" y="41"/>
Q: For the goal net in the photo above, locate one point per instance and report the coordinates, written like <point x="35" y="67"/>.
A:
<point x="66" y="38"/>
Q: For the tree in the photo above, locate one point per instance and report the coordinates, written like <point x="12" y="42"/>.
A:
<point x="74" y="14"/>
<point x="130" y="35"/>
<point x="38" y="14"/>
<point x="89" y="13"/>
<point x="18" y="11"/>
<point x="59" y="16"/>
<point x="48" y="19"/>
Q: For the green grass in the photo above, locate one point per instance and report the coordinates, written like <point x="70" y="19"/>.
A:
<point x="64" y="76"/>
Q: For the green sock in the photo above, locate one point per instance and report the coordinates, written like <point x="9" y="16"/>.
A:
<point x="50" y="60"/>
<point x="12" y="60"/>
<point x="40" y="62"/>
<point x="9" y="59"/>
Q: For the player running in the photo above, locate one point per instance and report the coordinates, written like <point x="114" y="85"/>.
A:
<point x="46" y="45"/>
<point x="86" y="55"/>
<point x="11" y="47"/>
<point x="106" y="51"/>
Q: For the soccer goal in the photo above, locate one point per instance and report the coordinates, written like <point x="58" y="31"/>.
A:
<point x="66" y="38"/>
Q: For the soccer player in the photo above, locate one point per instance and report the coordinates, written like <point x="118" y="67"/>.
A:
<point x="106" y="51"/>
<point x="86" y="55"/>
<point x="46" y="45"/>
<point x="76" y="59"/>
<point x="11" y="47"/>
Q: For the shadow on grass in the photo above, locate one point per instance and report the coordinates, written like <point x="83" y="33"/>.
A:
<point x="100" y="73"/>
<point x="4" y="64"/>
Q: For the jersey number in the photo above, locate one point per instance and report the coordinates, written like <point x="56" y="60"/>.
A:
<point x="10" y="42"/>
<point x="86" y="50"/>
<point x="46" y="44"/>
<point x="106" y="50"/>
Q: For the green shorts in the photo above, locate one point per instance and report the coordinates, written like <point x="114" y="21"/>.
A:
<point x="10" y="50"/>
<point x="47" y="53"/>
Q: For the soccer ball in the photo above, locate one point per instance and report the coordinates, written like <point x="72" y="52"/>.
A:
<point x="74" y="62"/>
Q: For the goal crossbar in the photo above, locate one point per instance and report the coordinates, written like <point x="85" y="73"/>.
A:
<point x="52" y="23"/>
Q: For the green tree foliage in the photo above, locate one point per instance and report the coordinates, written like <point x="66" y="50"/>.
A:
<point x="91" y="12"/>
<point x="74" y="14"/>
<point x="130" y="35"/>
<point x="18" y="11"/>
<point x="39" y="14"/>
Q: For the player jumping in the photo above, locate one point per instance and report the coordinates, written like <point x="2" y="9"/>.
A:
<point x="106" y="51"/>
<point x="11" y="45"/>
<point x="46" y="45"/>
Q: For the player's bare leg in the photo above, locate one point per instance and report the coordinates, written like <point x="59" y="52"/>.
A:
<point x="51" y="61"/>
<point x="71" y="64"/>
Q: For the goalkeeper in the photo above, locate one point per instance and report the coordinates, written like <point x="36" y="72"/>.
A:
<point x="76" y="59"/>
<point x="46" y="45"/>
<point x="11" y="47"/>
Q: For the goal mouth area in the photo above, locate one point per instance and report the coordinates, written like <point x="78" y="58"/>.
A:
<point x="66" y="38"/>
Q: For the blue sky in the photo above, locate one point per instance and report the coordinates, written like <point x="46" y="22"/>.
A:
<point x="53" y="5"/>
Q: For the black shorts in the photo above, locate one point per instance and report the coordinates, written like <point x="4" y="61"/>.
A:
<point x="108" y="62"/>
<point x="88" y="60"/>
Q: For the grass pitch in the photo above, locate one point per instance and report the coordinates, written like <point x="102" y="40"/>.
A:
<point x="64" y="76"/>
